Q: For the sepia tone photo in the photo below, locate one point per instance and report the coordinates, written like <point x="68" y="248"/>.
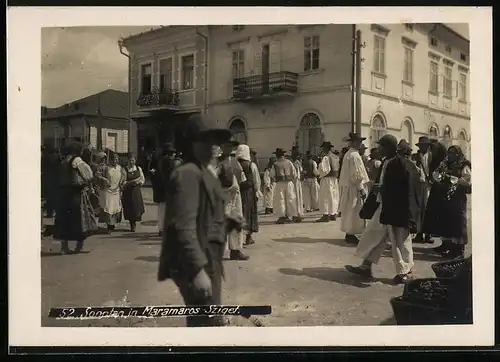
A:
<point x="342" y="153"/>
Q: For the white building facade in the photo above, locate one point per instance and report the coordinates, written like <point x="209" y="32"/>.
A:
<point x="280" y="85"/>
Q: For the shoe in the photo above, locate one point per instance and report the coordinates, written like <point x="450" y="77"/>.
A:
<point x="324" y="218"/>
<point x="249" y="241"/>
<point x="297" y="219"/>
<point x="351" y="239"/>
<point x="65" y="248"/>
<point x="79" y="247"/>
<point x="281" y="220"/>
<point x="360" y="270"/>
<point x="333" y="217"/>
<point x="401" y="279"/>
<point x="238" y="255"/>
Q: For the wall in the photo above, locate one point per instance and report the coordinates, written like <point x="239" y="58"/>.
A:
<point x="397" y="100"/>
<point x="150" y="50"/>
<point x="287" y="54"/>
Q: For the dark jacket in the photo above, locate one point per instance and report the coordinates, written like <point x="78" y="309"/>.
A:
<point x="195" y="223"/>
<point x="399" y="194"/>
<point x="226" y="175"/>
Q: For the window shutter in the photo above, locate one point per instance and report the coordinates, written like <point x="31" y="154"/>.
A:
<point x="257" y="66"/>
<point x="275" y="56"/>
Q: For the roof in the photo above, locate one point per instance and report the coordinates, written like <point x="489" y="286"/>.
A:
<point x="109" y="103"/>
<point x="454" y="32"/>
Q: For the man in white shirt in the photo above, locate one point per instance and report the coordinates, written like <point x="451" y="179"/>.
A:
<point x="328" y="187"/>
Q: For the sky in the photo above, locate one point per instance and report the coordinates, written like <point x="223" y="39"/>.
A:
<point x="80" y="61"/>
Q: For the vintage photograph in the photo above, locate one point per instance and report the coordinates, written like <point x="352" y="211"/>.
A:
<point x="323" y="170"/>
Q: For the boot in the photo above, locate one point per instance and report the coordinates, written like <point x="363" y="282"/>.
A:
<point x="333" y="217"/>
<point x="419" y="239"/>
<point x="132" y="226"/>
<point x="65" y="247"/>
<point x="362" y="270"/>
<point x="110" y="229"/>
<point x="249" y="240"/>
<point x="79" y="246"/>
<point x="238" y="255"/>
<point x="351" y="239"/>
<point x="324" y="218"/>
<point x="297" y="219"/>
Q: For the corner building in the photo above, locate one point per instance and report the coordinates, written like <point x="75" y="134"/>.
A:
<point x="279" y="85"/>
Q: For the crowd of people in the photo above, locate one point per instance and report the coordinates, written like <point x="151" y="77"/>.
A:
<point x="208" y="195"/>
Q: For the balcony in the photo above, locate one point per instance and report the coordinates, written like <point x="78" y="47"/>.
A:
<point x="166" y="99"/>
<point x="277" y="84"/>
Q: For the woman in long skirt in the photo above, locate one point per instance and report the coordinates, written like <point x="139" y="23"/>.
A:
<point x="112" y="177"/>
<point x="250" y="192"/>
<point x="133" y="204"/>
<point x="268" y="188"/>
<point x="75" y="219"/>
<point x="446" y="212"/>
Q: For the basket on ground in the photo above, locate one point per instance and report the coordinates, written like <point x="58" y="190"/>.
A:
<point x="433" y="292"/>
<point x="449" y="269"/>
<point x="408" y="312"/>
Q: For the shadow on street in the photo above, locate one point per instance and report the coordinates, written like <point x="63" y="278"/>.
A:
<point x="303" y="240"/>
<point x="336" y="275"/>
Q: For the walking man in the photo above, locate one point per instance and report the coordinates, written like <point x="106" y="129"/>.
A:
<point x="297" y="183"/>
<point x="283" y="173"/>
<point x="328" y="186"/>
<point x="310" y="185"/>
<point x="353" y="180"/>
<point x="398" y="212"/>
<point x="195" y="224"/>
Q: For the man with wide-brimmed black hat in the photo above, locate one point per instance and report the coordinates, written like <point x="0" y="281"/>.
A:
<point x="353" y="189"/>
<point x="394" y="219"/>
<point x="195" y="221"/>
<point x="310" y="185"/>
<point x="328" y="170"/>
<point x="283" y="173"/>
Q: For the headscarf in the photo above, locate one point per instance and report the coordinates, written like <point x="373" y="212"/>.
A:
<point x="460" y="161"/>
<point x="243" y="153"/>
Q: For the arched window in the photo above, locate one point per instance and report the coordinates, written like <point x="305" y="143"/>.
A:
<point x="309" y="136"/>
<point x="447" y="137"/>
<point x="407" y="131"/>
<point x="433" y="132"/>
<point x="463" y="143"/>
<point x="238" y="130"/>
<point x="378" y="129"/>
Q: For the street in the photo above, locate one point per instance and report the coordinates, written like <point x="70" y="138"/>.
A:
<point x="298" y="269"/>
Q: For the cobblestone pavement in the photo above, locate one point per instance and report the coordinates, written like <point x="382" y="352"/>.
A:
<point x="297" y="269"/>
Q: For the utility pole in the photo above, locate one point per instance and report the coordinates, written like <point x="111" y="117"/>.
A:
<point x="357" y="53"/>
<point x="353" y="77"/>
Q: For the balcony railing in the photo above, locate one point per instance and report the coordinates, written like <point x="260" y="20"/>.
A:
<point x="156" y="98"/>
<point x="279" y="83"/>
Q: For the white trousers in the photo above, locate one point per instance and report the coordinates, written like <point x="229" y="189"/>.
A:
<point x="284" y="199"/>
<point x="310" y="189"/>
<point x="299" y="198"/>
<point x="329" y="195"/>
<point x="161" y="216"/>
<point x="374" y="241"/>
<point x="235" y="240"/>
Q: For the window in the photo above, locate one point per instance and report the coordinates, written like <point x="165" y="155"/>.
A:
<point x="146" y="78"/>
<point x="433" y="132"/>
<point x="238" y="64"/>
<point x="462" y="87"/>
<point x="311" y="53"/>
<point x="187" y="72"/>
<point x="408" y="65"/>
<point x="309" y="136"/>
<point x="409" y="26"/>
<point x="448" y="48"/>
<point x="434" y="42"/>
<point x="463" y="57"/>
<point x="378" y="129"/>
<point x="447" y="81"/>
<point x="433" y="81"/>
<point x="166" y="67"/>
<point x="238" y="131"/>
<point x="407" y="131"/>
<point x="238" y="27"/>
<point x="379" y="54"/>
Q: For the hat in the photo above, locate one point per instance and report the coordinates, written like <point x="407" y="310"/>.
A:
<point x="327" y="145"/>
<point x="388" y="140"/>
<point x="243" y="152"/>
<point x="253" y="152"/>
<point x="199" y="128"/>
<point x="168" y="147"/>
<point x="101" y="155"/>
<point x="355" y="137"/>
<point x="404" y="145"/>
<point x="423" y="140"/>
<point x="279" y="152"/>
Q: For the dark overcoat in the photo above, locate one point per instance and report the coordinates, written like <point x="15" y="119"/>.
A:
<point x="195" y="224"/>
<point x="399" y="193"/>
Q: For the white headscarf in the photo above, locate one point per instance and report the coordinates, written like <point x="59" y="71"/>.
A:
<point x="243" y="153"/>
